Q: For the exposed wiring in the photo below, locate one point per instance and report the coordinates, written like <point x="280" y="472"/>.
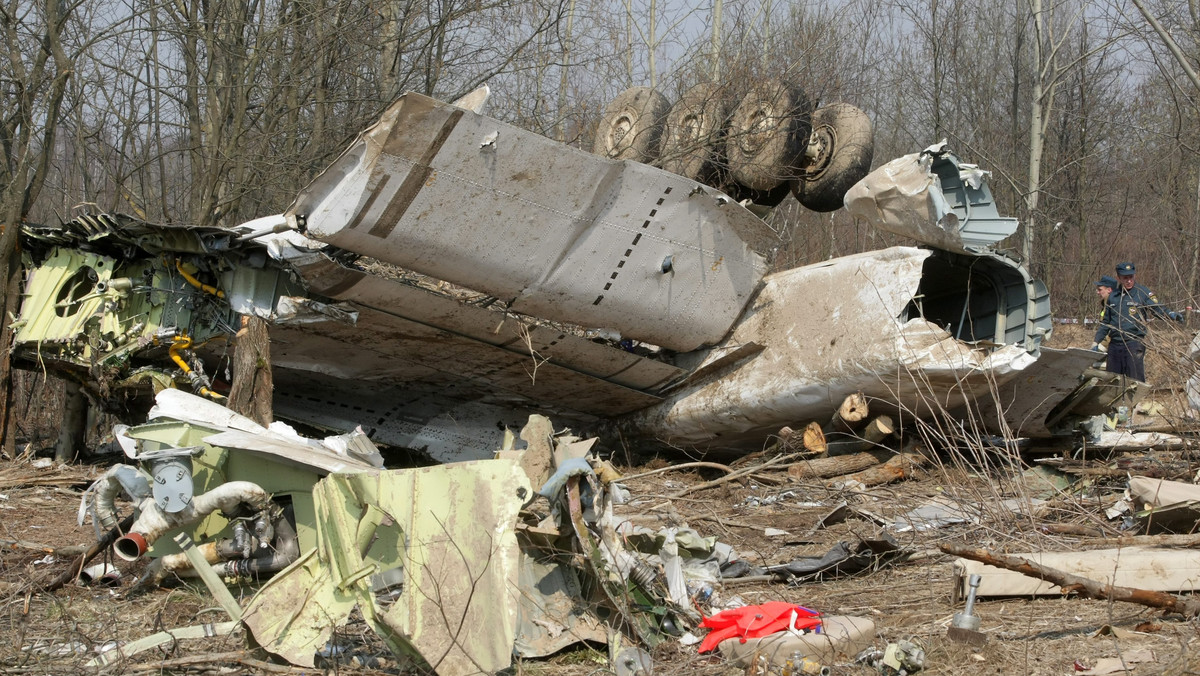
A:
<point x="183" y="342"/>
<point x="206" y="288"/>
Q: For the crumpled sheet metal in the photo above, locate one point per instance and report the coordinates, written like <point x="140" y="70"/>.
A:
<point x="448" y="529"/>
<point x="830" y="330"/>
<point x="233" y="430"/>
<point x="906" y="197"/>
<point x="564" y="235"/>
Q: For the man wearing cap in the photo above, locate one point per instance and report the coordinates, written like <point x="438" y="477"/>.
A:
<point x="1104" y="289"/>
<point x="1123" y="322"/>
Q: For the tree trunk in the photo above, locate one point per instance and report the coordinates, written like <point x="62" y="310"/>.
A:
<point x="250" y="394"/>
<point x="74" y="425"/>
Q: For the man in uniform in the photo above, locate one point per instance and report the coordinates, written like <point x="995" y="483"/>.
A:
<point x="1123" y="322"/>
<point x="1104" y="289"/>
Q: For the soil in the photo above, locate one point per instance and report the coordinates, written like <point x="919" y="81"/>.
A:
<point x="57" y="632"/>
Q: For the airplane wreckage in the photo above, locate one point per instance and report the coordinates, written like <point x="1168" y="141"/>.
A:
<point x="450" y="276"/>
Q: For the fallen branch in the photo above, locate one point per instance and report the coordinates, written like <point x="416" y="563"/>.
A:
<point x="1071" y="529"/>
<point x="102" y="544"/>
<point x="869" y="437"/>
<point x="851" y="415"/>
<point x="1083" y="586"/>
<point x="686" y="465"/>
<point x="67" y="550"/>
<point x="730" y="477"/>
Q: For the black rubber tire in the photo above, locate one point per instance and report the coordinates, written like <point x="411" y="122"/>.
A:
<point x="841" y="147"/>
<point x="631" y="128"/>
<point x="768" y="134"/>
<point x="694" y="137"/>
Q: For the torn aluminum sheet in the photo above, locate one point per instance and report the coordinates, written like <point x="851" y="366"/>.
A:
<point x="946" y="511"/>
<point x="933" y="198"/>
<point x="456" y="562"/>
<point x="1150" y="568"/>
<point x="551" y="612"/>
<point x="464" y="198"/>
<point x="1165" y="506"/>
<point x="832" y="329"/>
<point x="232" y="430"/>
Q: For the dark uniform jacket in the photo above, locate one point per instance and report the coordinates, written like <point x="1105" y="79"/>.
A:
<point x="1124" y="315"/>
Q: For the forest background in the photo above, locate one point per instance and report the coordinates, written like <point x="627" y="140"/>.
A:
<point x="220" y="111"/>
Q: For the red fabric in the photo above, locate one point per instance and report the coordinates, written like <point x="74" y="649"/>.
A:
<point x="755" y="621"/>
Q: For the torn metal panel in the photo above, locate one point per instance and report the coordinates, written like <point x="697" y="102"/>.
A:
<point x="564" y="234"/>
<point x="933" y="198"/>
<point x="551" y="614"/>
<point x="1153" y="569"/>
<point x="1036" y="403"/>
<point x="444" y="423"/>
<point x="456" y="607"/>
<point x="497" y="328"/>
<point x="390" y="350"/>
<point x="830" y="330"/>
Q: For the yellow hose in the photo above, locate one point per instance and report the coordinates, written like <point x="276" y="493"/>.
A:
<point x="182" y="343"/>
<point x="197" y="283"/>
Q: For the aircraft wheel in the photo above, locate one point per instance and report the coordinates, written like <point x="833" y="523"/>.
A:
<point x="839" y="155"/>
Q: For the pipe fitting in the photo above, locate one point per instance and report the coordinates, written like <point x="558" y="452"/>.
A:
<point x="131" y="546"/>
<point x="153" y="522"/>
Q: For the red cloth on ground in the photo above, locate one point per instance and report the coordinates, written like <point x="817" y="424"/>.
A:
<point x="756" y="621"/>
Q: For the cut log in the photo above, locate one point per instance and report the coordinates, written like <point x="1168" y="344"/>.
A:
<point x="850" y="416"/>
<point x="1083" y="586"/>
<point x="823" y="468"/>
<point x="814" y="438"/>
<point x="870" y="437"/>
<point x="902" y="466"/>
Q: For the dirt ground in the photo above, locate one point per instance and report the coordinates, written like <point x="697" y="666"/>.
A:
<point x="56" y="632"/>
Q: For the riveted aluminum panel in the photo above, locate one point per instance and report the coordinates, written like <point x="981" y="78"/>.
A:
<point x="558" y="233"/>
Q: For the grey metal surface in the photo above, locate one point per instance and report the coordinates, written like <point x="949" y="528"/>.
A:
<point x="558" y="233"/>
<point x="933" y="198"/>
<point x="556" y="345"/>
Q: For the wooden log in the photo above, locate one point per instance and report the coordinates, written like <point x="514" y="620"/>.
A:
<point x="823" y="468"/>
<point x="1085" y="587"/>
<point x="814" y="439"/>
<point x="850" y="416"/>
<point x="899" y="467"/>
<point x="880" y="428"/>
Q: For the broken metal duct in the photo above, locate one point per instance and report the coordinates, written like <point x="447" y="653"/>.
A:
<point x="228" y="560"/>
<point x="153" y="522"/>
